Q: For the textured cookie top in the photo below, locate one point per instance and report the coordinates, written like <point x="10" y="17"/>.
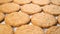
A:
<point x="17" y="18"/>
<point x="52" y="9"/>
<point x="4" y="1"/>
<point x="1" y="16"/>
<point x="22" y="1"/>
<point x="56" y="2"/>
<point x="41" y="2"/>
<point x="53" y="30"/>
<point x="31" y="8"/>
<point x="9" y="7"/>
<point x="5" y="29"/>
<point x="43" y="20"/>
<point x="29" y="29"/>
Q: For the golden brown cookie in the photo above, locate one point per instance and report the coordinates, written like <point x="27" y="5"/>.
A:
<point x="4" y="1"/>
<point x="31" y="8"/>
<point x="17" y="18"/>
<point x="29" y="29"/>
<point x="53" y="30"/>
<point x="9" y="7"/>
<point x="56" y="2"/>
<point x="5" y="29"/>
<point x="21" y="2"/>
<point x="43" y="20"/>
<point x="41" y="2"/>
<point x="52" y="9"/>
<point x="58" y="18"/>
<point x="1" y="16"/>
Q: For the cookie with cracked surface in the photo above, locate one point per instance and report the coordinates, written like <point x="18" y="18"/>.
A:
<point x="29" y="29"/>
<point x="43" y="20"/>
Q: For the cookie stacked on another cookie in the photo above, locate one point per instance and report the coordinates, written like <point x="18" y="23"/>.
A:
<point x="41" y="2"/>
<point x="31" y="8"/>
<point x="5" y="29"/>
<point x="56" y="2"/>
<point x="5" y="1"/>
<point x="53" y="30"/>
<point x="22" y="2"/>
<point x="17" y="19"/>
<point x="52" y="9"/>
<point x="29" y="29"/>
<point x="43" y="20"/>
<point x="9" y="7"/>
<point x="1" y="16"/>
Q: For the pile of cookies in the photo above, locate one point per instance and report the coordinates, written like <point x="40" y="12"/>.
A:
<point x="29" y="16"/>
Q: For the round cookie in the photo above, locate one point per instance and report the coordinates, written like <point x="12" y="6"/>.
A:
<point x="56" y="2"/>
<point x="53" y="30"/>
<point x="52" y="9"/>
<point x="9" y="7"/>
<point x="31" y="8"/>
<point x="43" y="20"/>
<point x="21" y="2"/>
<point x="17" y="19"/>
<point x="1" y="16"/>
<point x="4" y="1"/>
<point x="29" y="29"/>
<point x="41" y="2"/>
<point x="5" y="29"/>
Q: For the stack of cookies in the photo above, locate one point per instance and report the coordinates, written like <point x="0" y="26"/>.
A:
<point x="29" y="16"/>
